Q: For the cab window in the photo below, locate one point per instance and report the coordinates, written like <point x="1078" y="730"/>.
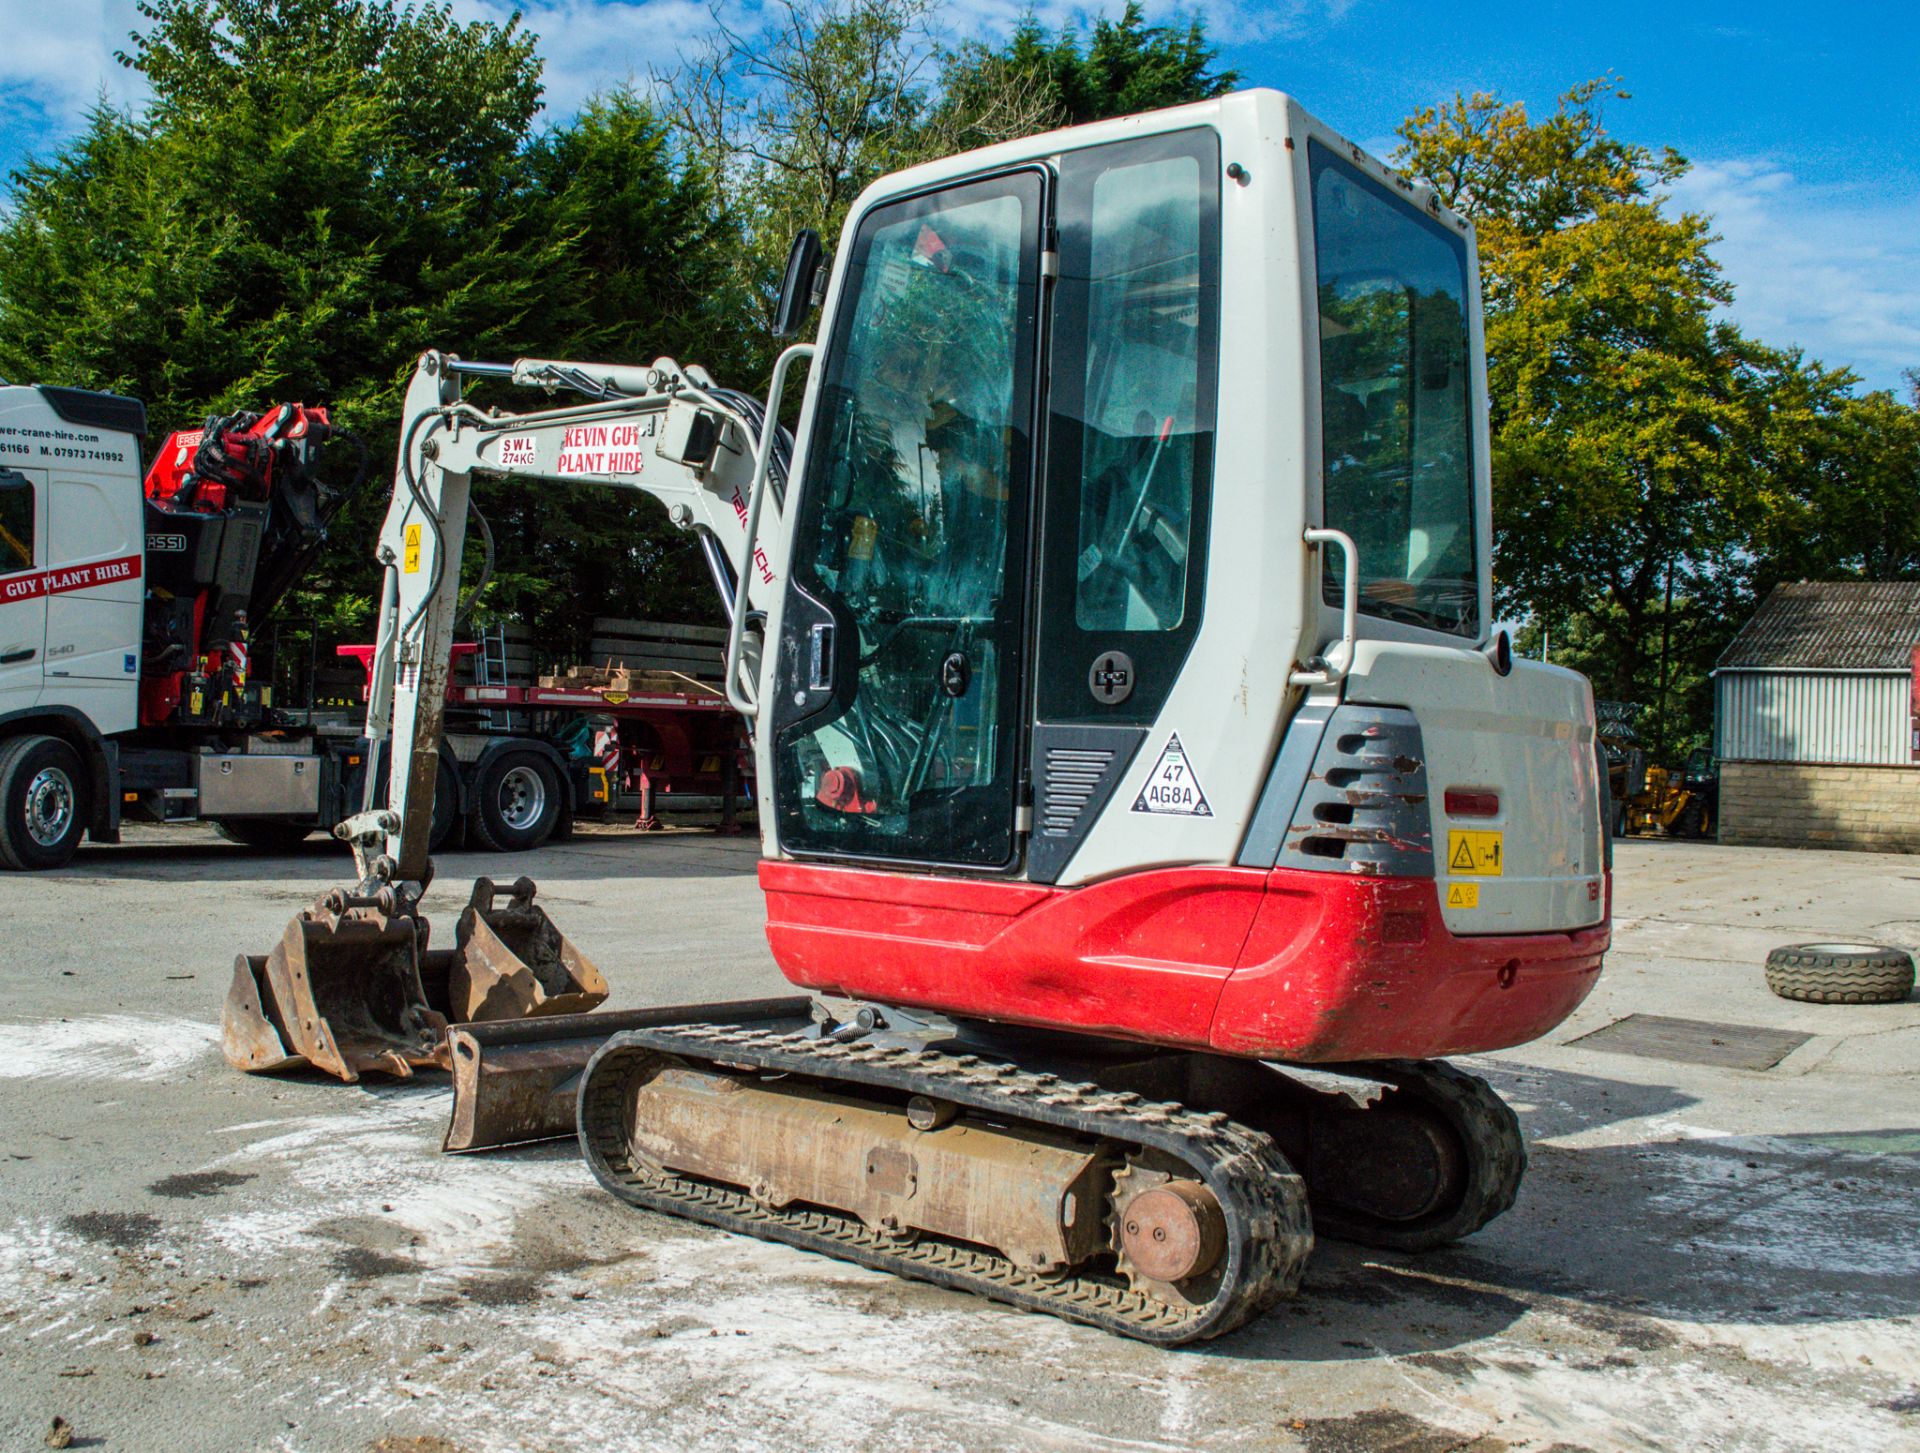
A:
<point x="16" y="523"/>
<point x="1134" y="340"/>
<point x="1397" y="464"/>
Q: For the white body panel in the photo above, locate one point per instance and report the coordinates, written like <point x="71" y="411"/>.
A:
<point x="1530" y="738"/>
<point x="90" y="558"/>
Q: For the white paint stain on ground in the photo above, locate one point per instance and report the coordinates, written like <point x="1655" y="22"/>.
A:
<point x="381" y="1158"/>
<point x="1554" y="1398"/>
<point x="104" y="1047"/>
<point x="751" y="1345"/>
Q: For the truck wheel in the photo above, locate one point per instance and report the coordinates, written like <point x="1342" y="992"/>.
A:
<point x="266" y="833"/>
<point x="1840" y="973"/>
<point x="43" y="803"/>
<point x="446" y="799"/>
<point x="517" y="803"/>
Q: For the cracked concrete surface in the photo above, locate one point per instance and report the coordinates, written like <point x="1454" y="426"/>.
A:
<point x="1700" y="1259"/>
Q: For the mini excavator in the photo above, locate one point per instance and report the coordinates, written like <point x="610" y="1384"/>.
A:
<point x="1142" y="783"/>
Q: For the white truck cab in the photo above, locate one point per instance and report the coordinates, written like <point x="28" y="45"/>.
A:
<point x="72" y="554"/>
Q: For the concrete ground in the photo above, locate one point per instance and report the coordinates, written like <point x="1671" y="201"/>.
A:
<point x="195" y="1259"/>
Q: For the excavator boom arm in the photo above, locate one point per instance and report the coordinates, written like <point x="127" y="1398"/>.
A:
<point x="663" y="431"/>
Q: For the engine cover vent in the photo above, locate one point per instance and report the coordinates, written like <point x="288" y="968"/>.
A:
<point x="1363" y="807"/>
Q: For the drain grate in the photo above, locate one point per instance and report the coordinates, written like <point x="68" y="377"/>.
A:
<point x="1695" y="1041"/>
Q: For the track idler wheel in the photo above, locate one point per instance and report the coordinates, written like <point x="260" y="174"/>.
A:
<point x="1436" y="1157"/>
<point x="1169" y="1235"/>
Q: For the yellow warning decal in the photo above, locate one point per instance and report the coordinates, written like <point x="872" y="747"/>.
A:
<point x="1463" y="895"/>
<point x="411" y="565"/>
<point x="614" y="698"/>
<point x="1474" y="853"/>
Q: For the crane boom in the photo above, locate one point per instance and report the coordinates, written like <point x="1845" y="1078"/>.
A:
<point x="665" y="431"/>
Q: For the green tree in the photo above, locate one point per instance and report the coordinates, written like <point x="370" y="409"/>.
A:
<point x="1125" y="66"/>
<point x="1655" y="471"/>
<point x="317" y="191"/>
<point x="320" y="189"/>
<point x="797" y="116"/>
<point x="1623" y="456"/>
<point x="647" y="269"/>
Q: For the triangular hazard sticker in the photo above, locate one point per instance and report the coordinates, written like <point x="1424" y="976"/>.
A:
<point x="1463" y="857"/>
<point x="1172" y="790"/>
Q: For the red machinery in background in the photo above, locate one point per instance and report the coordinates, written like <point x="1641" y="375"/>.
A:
<point x="235" y="514"/>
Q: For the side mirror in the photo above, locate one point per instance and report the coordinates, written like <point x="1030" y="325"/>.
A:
<point x="796" y="288"/>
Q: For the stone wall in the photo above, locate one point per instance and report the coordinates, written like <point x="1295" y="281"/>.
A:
<point x="1797" y="804"/>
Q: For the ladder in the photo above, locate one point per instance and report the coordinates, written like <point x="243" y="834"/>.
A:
<point x="491" y="670"/>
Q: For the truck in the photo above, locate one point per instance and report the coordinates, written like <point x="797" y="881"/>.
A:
<point x="130" y="610"/>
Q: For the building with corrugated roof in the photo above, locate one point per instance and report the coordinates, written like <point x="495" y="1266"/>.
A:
<point x="1814" y="718"/>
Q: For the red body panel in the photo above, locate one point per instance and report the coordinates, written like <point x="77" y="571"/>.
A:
<point x="1281" y="964"/>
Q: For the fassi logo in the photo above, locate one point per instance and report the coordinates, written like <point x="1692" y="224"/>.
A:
<point x="35" y="583"/>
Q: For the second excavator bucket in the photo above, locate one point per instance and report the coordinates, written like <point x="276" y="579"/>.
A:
<point x="511" y="962"/>
<point x="251" y="1036"/>
<point x="340" y="991"/>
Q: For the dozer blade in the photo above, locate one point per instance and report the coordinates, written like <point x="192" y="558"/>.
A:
<point x="512" y="962"/>
<point x="341" y="991"/>
<point x="516" y="1081"/>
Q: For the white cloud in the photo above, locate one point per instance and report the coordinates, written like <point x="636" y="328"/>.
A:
<point x="1830" y="268"/>
<point x="591" y="45"/>
<point x="57" y="61"/>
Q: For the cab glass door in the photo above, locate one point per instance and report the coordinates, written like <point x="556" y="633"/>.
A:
<point x="23" y="604"/>
<point x="897" y="703"/>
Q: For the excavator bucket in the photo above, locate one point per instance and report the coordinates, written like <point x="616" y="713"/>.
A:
<point x="248" y="1033"/>
<point x="341" y="991"/>
<point x="511" y="962"/>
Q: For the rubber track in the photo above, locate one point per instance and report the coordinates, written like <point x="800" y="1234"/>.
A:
<point x="1496" y="1157"/>
<point x="1269" y="1234"/>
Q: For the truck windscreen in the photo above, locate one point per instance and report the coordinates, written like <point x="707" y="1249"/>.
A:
<point x="1394" y="395"/>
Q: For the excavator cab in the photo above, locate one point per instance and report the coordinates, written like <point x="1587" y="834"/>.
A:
<point x="1130" y="724"/>
<point x="1138" y="581"/>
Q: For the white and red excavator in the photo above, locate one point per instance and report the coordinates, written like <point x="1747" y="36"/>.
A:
<point x="1140" y="776"/>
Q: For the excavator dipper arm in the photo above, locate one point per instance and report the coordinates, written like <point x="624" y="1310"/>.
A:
<point x="664" y="431"/>
<point x="352" y="986"/>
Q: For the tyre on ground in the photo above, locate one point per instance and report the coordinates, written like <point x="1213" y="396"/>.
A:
<point x="516" y="803"/>
<point x="1840" y="973"/>
<point x="44" y="805"/>
<point x="269" y="834"/>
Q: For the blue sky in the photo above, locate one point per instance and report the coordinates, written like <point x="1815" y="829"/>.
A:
<point x="1802" y="120"/>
